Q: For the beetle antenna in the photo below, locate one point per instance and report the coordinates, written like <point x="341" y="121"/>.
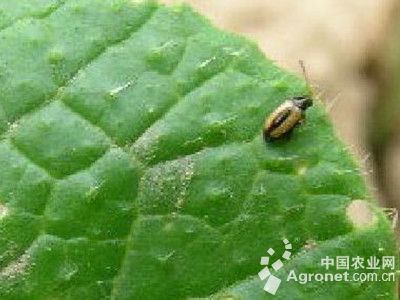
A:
<point x="308" y="81"/>
<point x="303" y="68"/>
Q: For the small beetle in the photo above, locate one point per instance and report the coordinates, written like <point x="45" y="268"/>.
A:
<point x="286" y="117"/>
<point x="291" y="113"/>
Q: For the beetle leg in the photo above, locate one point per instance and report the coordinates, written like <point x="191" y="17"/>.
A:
<point x="302" y="120"/>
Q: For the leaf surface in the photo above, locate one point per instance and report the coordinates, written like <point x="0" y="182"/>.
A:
<point x="132" y="164"/>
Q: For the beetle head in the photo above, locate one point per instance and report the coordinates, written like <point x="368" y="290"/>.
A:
<point x="302" y="102"/>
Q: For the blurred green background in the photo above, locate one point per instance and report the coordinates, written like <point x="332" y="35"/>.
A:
<point x="352" y="53"/>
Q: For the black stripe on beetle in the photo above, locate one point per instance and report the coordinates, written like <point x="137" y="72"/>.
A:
<point x="287" y="116"/>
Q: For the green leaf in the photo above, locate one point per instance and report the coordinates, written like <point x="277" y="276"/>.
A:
<point x="132" y="163"/>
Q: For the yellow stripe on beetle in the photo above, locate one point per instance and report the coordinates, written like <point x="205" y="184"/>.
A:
<point x="281" y="122"/>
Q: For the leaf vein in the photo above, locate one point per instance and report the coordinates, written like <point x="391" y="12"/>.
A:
<point x="36" y="16"/>
<point x="90" y="61"/>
